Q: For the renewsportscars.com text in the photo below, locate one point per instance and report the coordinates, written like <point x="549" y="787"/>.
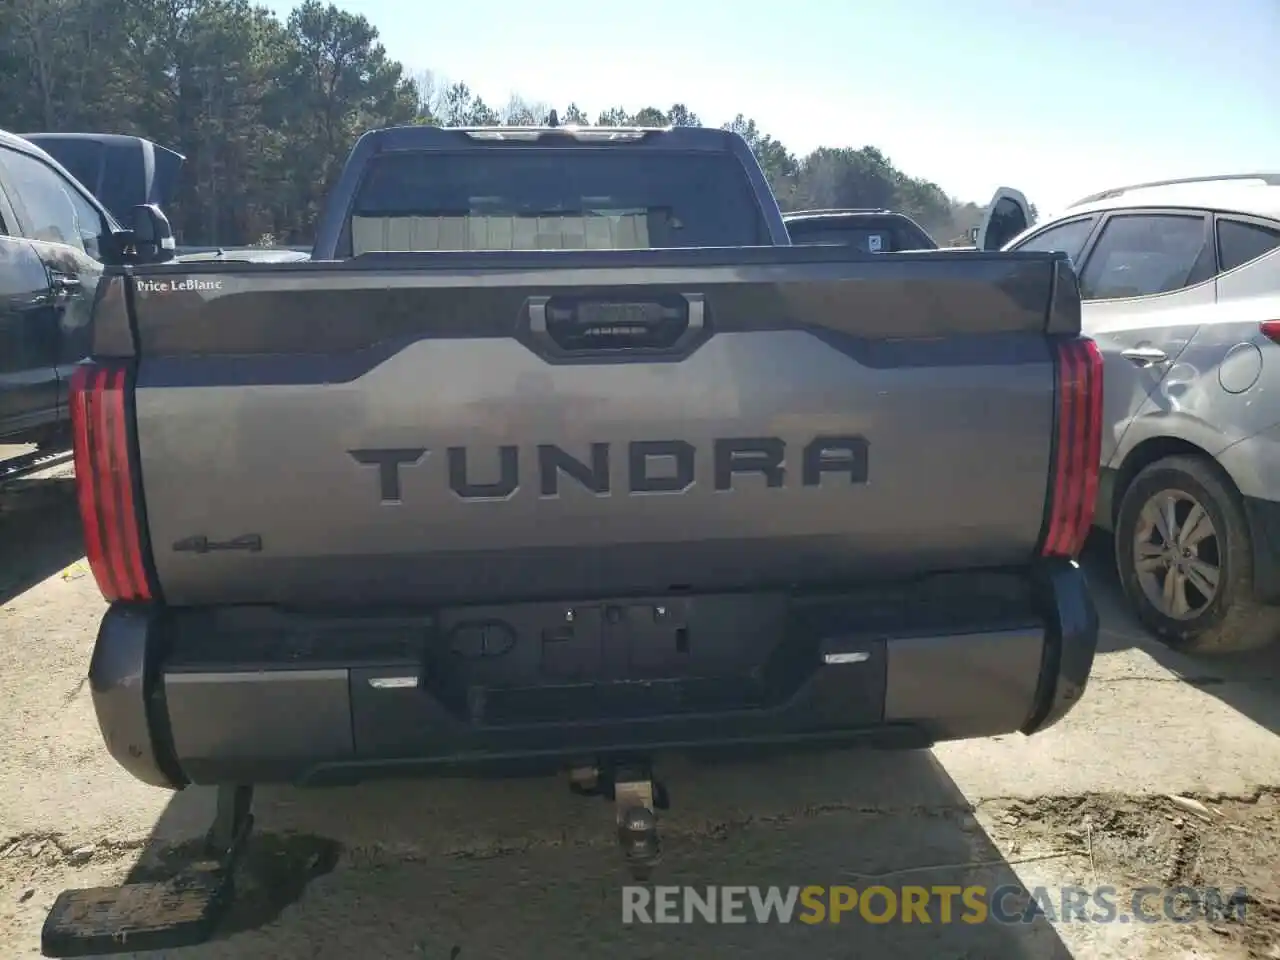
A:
<point x="942" y="904"/>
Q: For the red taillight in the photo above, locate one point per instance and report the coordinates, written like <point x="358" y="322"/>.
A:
<point x="1271" y="330"/>
<point x="1078" y="448"/>
<point x="104" y="482"/>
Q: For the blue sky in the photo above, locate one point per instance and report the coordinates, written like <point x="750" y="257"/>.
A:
<point x="1058" y="98"/>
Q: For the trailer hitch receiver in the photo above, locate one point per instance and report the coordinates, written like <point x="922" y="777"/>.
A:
<point x="636" y="798"/>
<point x="633" y="801"/>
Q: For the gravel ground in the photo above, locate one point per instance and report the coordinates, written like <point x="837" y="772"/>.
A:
<point x="454" y="869"/>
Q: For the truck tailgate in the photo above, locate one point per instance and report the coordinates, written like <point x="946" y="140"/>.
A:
<point x="449" y="428"/>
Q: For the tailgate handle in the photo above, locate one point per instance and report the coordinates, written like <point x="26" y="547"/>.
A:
<point x="617" y="323"/>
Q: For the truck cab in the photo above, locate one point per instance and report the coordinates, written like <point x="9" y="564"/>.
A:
<point x="120" y="171"/>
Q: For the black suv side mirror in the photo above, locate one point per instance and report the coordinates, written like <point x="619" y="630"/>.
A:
<point x="152" y="234"/>
<point x="149" y="240"/>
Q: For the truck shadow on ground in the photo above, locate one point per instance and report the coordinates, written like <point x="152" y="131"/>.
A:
<point x="522" y="868"/>
<point x="39" y="532"/>
<point x="1248" y="683"/>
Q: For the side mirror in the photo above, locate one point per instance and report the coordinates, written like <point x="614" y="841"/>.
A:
<point x="152" y="236"/>
<point x="148" y="240"/>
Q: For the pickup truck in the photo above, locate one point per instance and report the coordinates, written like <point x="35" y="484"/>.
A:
<point x="870" y="231"/>
<point x="558" y="455"/>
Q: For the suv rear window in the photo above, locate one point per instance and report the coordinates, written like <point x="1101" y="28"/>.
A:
<point x="1238" y="242"/>
<point x="531" y="198"/>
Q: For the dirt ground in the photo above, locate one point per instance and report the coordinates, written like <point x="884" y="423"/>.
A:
<point x="1167" y="775"/>
<point x="1133" y="842"/>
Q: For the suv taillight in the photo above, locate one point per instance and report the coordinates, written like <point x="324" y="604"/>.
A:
<point x="1078" y="447"/>
<point x="105" y="481"/>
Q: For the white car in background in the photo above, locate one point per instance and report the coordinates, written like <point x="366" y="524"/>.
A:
<point x="1181" y="288"/>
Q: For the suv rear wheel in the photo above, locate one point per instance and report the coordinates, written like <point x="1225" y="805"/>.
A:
<point x="1184" y="555"/>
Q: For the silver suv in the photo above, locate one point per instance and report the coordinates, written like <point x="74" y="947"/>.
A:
<point x="1181" y="281"/>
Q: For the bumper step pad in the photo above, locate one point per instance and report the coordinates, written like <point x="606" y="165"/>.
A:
<point x="181" y="911"/>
